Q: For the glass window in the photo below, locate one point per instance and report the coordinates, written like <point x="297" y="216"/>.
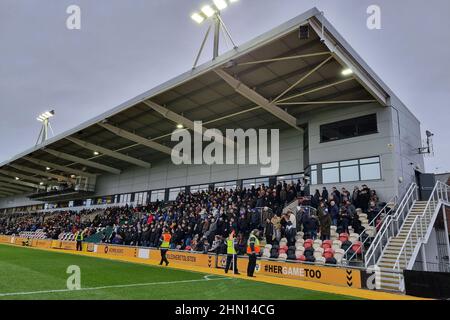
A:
<point x="140" y="198"/>
<point x="349" y="163"/>
<point x="314" y="177"/>
<point x="369" y="160"/>
<point x="370" y="171"/>
<point x="158" y="195"/>
<point x="199" y="188"/>
<point x="249" y="183"/>
<point x="174" y="192"/>
<point x="292" y="178"/>
<point x="349" y="174"/>
<point x="330" y="165"/>
<point x="349" y="128"/>
<point x="330" y="175"/>
<point x="226" y="185"/>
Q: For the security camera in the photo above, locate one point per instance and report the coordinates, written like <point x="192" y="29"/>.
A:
<point x="429" y="134"/>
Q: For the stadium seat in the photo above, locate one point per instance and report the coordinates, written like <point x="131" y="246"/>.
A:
<point x="346" y="245"/>
<point x="320" y="260"/>
<point x="291" y="253"/>
<point x="299" y="253"/>
<point x="317" y="243"/>
<point x="282" y="257"/>
<point x="318" y="252"/>
<point x="283" y="242"/>
<point x="339" y="255"/>
<point x="336" y="244"/>
<point x="299" y="242"/>
<point x="328" y="253"/>
<point x="326" y="244"/>
<point x="331" y="260"/>
<point x="308" y="243"/>
<point x="357" y="247"/>
<point x="370" y="231"/>
<point x="299" y="235"/>
<point x="308" y="252"/>
<point x="301" y="258"/>
<point x="353" y="237"/>
<point x="343" y="237"/>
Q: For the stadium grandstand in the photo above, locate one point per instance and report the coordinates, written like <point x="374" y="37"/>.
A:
<point x="350" y="194"/>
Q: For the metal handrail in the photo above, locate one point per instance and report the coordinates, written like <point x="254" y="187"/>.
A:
<point x="390" y="226"/>
<point x="437" y="197"/>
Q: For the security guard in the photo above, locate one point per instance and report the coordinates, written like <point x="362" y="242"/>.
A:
<point x="252" y="250"/>
<point x="232" y="254"/>
<point x="79" y="237"/>
<point x="165" y="244"/>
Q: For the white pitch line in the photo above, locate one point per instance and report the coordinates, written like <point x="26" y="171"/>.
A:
<point x="205" y="278"/>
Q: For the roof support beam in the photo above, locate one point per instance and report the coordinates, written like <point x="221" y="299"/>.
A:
<point x="316" y="89"/>
<point x="59" y="167"/>
<point x="21" y="183"/>
<point x="179" y="119"/>
<point x="346" y="61"/>
<point x="10" y="191"/>
<point x="20" y="176"/>
<point x="110" y="153"/>
<point x="255" y="97"/>
<point x="85" y="162"/>
<point x="325" y="102"/>
<point x="306" y="76"/>
<point x="138" y="139"/>
<point x="15" y="187"/>
<point x="308" y="55"/>
<point x="40" y="173"/>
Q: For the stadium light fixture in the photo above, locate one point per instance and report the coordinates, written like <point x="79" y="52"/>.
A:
<point x="220" y="4"/>
<point x="41" y="183"/>
<point x="197" y="17"/>
<point x="45" y="119"/>
<point x="347" y="72"/>
<point x="208" y="11"/>
<point x="17" y="178"/>
<point x="48" y="168"/>
<point x="211" y="12"/>
<point x="45" y="116"/>
<point x="180" y="126"/>
<point x="96" y="153"/>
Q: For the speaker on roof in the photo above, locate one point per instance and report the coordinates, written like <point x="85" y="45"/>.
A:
<point x="304" y="32"/>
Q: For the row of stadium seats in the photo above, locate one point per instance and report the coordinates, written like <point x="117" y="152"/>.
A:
<point x="38" y="234"/>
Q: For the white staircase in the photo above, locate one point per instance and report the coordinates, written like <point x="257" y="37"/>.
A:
<point x="405" y="233"/>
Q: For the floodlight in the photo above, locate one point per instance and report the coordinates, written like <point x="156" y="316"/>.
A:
<point x="347" y="72"/>
<point x="17" y="178"/>
<point x="48" y="168"/>
<point x="220" y="4"/>
<point x="96" y="153"/>
<point x="208" y="11"/>
<point x="46" y="115"/>
<point x="180" y="126"/>
<point x="41" y="183"/>
<point x="197" y="17"/>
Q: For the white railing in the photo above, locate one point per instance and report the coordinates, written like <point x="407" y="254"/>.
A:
<point x="420" y="228"/>
<point x="390" y="226"/>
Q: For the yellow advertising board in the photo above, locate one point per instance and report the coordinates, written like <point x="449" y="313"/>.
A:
<point x="5" y="239"/>
<point x="38" y="243"/>
<point x="330" y="275"/>
<point x="117" y="250"/>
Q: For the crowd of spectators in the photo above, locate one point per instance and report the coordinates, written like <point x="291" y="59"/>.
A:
<point x="202" y="221"/>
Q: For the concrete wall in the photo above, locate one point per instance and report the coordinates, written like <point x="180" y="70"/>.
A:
<point x="356" y="148"/>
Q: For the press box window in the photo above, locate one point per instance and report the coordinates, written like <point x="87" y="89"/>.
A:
<point x="157" y="195"/>
<point x="349" y="128"/>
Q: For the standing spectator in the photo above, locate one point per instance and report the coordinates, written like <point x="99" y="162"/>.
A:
<point x="324" y="222"/>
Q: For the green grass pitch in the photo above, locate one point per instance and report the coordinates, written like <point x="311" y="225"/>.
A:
<point x="35" y="274"/>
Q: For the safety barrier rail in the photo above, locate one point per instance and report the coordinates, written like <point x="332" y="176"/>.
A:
<point x="391" y="226"/>
<point x="420" y="228"/>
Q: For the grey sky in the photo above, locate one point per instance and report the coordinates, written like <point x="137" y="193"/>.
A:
<point x="126" y="47"/>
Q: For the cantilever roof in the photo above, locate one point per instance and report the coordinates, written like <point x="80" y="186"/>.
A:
<point x="212" y="93"/>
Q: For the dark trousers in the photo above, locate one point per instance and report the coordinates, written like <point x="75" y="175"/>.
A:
<point x="163" y="257"/>
<point x="79" y="246"/>
<point x="251" y="264"/>
<point x="231" y="259"/>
